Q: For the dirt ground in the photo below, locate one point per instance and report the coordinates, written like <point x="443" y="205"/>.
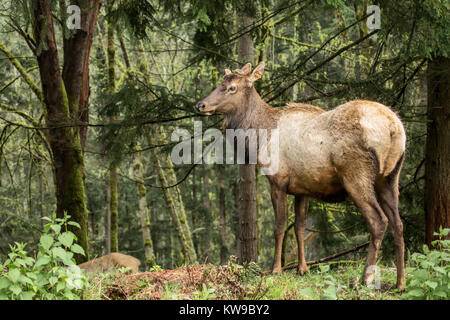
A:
<point x="227" y="283"/>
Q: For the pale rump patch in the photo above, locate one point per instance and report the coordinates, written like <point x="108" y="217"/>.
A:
<point x="384" y="133"/>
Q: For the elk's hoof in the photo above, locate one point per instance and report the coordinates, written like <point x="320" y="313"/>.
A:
<point x="400" y="286"/>
<point x="368" y="278"/>
<point x="276" y="270"/>
<point x="367" y="282"/>
<point x="302" y="271"/>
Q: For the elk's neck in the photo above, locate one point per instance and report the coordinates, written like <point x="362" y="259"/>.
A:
<point x="255" y="114"/>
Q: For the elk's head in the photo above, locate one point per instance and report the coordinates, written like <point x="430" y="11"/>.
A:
<point x="234" y="91"/>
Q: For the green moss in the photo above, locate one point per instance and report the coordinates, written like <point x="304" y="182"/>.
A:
<point x="66" y="104"/>
<point x="150" y="262"/>
<point x="142" y="190"/>
<point x="74" y="201"/>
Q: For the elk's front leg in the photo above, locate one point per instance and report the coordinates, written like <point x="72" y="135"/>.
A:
<point x="301" y="208"/>
<point x="279" y="205"/>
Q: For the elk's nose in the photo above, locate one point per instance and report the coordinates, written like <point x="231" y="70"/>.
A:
<point x="200" y="106"/>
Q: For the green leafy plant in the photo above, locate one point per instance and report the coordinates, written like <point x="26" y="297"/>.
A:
<point x="155" y="268"/>
<point x="328" y="283"/>
<point x="206" y="293"/>
<point x="431" y="271"/>
<point x="124" y="270"/>
<point x="52" y="274"/>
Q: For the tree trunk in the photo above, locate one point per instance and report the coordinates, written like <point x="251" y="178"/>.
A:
<point x="206" y="236"/>
<point x="223" y="220"/>
<point x="141" y="192"/>
<point x="236" y="219"/>
<point x="195" y="218"/>
<point x="108" y="220"/>
<point x="168" y="178"/>
<point x="248" y="232"/>
<point x="113" y="208"/>
<point x="172" y="195"/>
<point x="248" y="229"/>
<point x="113" y="177"/>
<point x="93" y="224"/>
<point x="437" y="164"/>
<point x="63" y="100"/>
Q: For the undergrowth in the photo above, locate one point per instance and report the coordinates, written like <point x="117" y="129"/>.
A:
<point x="248" y="282"/>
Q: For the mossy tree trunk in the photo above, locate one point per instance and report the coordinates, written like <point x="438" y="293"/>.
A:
<point x="172" y="194"/>
<point x="167" y="178"/>
<point x="65" y="96"/>
<point x="113" y="174"/>
<point x="141" y="191"/>
<point x="107" y="218"/>
<point x="113" y="208"/>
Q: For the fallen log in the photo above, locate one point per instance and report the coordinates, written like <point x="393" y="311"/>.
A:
<point x="333" y="256"/>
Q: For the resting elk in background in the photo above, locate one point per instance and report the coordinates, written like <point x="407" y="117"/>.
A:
<point x="110" y="261"/>
<point x="355" y="150"/>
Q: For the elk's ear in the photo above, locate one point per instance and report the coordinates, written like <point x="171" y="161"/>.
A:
<point x="228" y="72"/>
<point x="245" y="69"/>
<point x="257" y="73"/>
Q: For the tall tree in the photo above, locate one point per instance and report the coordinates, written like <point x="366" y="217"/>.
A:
<point x="425" y="26"/>
<point x="248" y="222"/>
<point x="172" y="194"/>
<point x="168" y="179"/>
<point x="223" y="218"/>
<point x="113" y="168"/>
<point x="141" y="192"/>
<point x="437" y="164"/>
<point x="66" y="95"/>
<point x="107" y="217"/>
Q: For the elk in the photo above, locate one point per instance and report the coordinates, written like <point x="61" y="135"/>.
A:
<point x="110" y="261"/>
<point x="355" y="150"/>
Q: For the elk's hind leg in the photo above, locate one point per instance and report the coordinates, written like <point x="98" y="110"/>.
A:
<point x="387" y="191"/>
<point x="301" y="208"/>
<point x="279" y="205"/>
<point x="362" y="193"/>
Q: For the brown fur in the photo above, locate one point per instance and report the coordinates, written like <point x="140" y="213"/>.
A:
<point x="110" y="261"/>
<point x="355" y="149"/>
<point x="303" y="107"/>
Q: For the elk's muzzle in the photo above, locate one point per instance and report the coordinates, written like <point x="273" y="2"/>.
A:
<point x="200" y="106"/>
<point x="203" y="108"/>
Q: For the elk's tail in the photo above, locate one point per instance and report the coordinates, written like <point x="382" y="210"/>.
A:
<point x="397" y="149"/>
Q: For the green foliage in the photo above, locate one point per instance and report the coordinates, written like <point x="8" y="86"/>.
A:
<point x="431" y="271"/>
<point x="155" y="268"/>
<point x="423" y="24"/>
<point x="52" y="274"/>
<point x="247" y="273"/>
<point x="134" y="103"/>
<point x="137" y="15"/>
<point x="205" y="293"/>
<point x="335" y="3"/>
<point x="186" y="46"/>
<point x="328" y="283"/>
<point x="339" y="280"/>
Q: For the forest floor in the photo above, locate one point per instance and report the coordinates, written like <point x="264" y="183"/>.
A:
<point x="208" y="282"/>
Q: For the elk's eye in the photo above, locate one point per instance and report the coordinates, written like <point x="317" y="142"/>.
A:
<point x="232" y="88"/>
